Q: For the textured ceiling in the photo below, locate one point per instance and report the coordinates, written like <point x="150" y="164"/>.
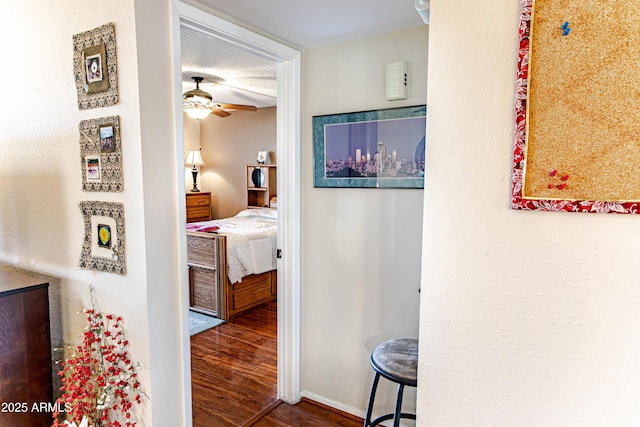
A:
<point x="239" y="77"/>
<point x="232" y="75"/>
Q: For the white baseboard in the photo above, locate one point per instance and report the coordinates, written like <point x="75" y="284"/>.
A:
<point x="332" y="403"/>
<point x="348" y="409"/>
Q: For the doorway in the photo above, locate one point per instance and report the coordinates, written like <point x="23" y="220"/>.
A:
<point x="288" y="149"/>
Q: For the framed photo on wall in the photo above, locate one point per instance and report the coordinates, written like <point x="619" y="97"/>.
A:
<point x="92" y="164"/>
<point x="103" y="247"/>
<point x="370" y="149"/>
<point x="94" y="67"/>
<point x="101" y="154"/>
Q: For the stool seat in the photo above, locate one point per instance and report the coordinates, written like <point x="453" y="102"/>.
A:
<point x="397" y="361"/>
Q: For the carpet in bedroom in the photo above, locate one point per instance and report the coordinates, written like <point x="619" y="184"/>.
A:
<point x="199" y="322"/>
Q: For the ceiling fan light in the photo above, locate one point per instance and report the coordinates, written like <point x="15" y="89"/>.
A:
<point x="197" y="112"/>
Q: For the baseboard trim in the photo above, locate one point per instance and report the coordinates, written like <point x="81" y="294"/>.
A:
<point x="347" y="411"/>
<point x="332" y="409"/>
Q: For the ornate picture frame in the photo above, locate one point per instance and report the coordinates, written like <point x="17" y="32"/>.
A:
<point x="370" y="149"/>
<point x="101" y="154"/>
<point x="103" y="247"/>
<point x="94" y="67"/>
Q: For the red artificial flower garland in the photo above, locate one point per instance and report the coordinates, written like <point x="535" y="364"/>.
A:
<point x="99" y="381"/>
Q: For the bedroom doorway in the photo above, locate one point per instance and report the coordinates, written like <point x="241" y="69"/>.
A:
<point x="288" y="136"/>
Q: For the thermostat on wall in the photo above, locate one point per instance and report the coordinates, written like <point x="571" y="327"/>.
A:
<point x="396" y="82"/>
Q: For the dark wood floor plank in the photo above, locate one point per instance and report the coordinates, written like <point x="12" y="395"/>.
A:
<point x="234" y="369"/>
<point x="234" y="378"/>
<point x="307" y="415"/>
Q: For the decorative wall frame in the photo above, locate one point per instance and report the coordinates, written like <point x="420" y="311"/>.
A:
<point x="370" y="149"/>
<point x="103" y="248"/>
<point x="576" y="144"/>
<point x="94" y="67"/>
<point x="101" y="154"/>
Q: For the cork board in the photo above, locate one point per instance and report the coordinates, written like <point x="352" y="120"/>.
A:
<point x="577" y="108"/>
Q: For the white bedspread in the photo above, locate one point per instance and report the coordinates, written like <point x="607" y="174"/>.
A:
<point x="251" y="242"/>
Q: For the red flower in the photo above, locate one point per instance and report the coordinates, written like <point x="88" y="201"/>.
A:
<point x="101" y="373"/>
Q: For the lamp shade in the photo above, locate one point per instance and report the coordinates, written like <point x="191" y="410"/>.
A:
<point x="194" y="158"/>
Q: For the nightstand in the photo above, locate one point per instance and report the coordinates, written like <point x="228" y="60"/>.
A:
<point x="198" y="206"/>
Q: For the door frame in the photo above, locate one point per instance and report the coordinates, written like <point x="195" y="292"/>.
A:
<point x="289" y="206"/>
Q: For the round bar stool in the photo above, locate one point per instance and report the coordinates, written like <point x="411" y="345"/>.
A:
<point x="397" y="361"/>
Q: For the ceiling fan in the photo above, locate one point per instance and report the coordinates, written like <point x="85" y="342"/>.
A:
<point x="199" y="104"/>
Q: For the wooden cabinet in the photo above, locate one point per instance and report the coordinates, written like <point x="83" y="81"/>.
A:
<point x="262" y="185"/>
<point x="206" y="276"/>
<point x="252" y="291"/>
<point x="198" y="207"/>
<point x="25" y="350"/>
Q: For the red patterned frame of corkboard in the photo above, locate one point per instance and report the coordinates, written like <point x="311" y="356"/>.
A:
<point x="577" y="136"/>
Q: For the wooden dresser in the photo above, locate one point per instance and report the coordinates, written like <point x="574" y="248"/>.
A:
<point x="198" y="207"/>
<point x="25" y="351"/>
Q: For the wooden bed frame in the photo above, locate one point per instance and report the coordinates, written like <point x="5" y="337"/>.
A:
<point x="210" y="291"/>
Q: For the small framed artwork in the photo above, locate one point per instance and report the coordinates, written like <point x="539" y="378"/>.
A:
<point x="370" y="149"/>
<point x="95" y="70"/>
<point x="107" y="141"/>
<point x="262" y="157"/>
<point x="101" y="154"/>
<point x="103" y="247"/>
<point x="104" y="236"/>
<point x="92" y="164"/>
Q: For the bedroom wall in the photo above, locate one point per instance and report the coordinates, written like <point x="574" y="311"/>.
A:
<point x="361" y="247"/>
<point x="527" y="318"/>
<point x="41" y="227"/>
<point x="228" y="145"/>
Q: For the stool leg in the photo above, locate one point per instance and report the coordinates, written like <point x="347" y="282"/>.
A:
<point x="372" y="396"/>
<point x="398" y="413"/>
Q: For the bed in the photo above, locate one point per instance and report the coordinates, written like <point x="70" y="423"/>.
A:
<point x="232" y="262"/>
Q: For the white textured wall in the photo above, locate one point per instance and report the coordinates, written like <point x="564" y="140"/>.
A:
<point x="228" y="145"/>
<point x="527" y="318"/>
<point x="361" y="247"/>
<point x="41" y="227"/>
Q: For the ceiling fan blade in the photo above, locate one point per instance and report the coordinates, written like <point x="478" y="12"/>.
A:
<point x="238" y="107"/>
<point x="219" y="112"/>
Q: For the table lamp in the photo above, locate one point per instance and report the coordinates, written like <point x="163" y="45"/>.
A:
<point x="194" y="158"/>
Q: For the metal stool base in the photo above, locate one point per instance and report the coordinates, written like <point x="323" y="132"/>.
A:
<point x="397" y="415"/>
<point x="390" y="417"/>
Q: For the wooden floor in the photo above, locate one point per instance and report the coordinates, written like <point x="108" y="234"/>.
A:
<point x="306" y="414"/>
<point x="234" y="378"/>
